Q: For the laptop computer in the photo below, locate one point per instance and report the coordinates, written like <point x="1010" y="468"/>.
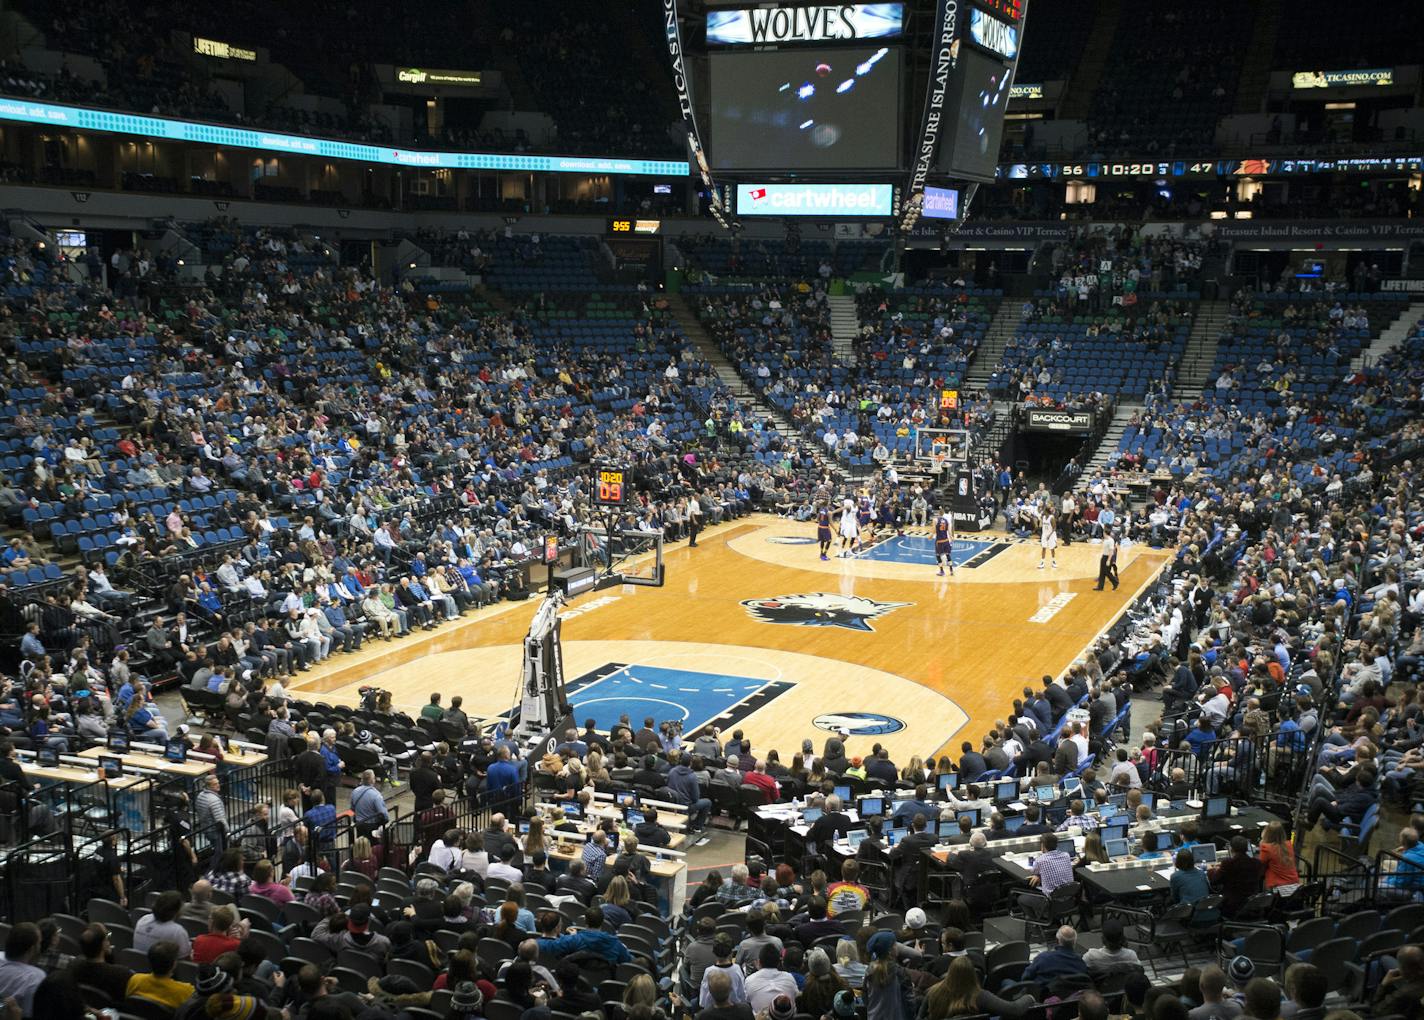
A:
<point x="1217" y="807"/>
<point x="1014" y="822"/>
<point x="855" y="837"/>
<point x="811" y="814"/>
<point x="948" y="781"/>
<point x="1204" y="853"/>
<point x="1006" y="790"/>
<point x="1116" y="848"/>
<point x="869" y="807"/>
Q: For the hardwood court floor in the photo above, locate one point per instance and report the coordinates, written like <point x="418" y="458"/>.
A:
<point x="754" y="631"/>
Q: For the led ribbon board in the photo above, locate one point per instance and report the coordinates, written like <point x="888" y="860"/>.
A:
<point x="87" y="119"/>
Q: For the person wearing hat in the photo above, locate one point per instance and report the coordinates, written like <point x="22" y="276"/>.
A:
<point x="722" y="969"/>
<point x="857" y="768"/>
<point x="822" y="984"/>
<point x="843" y="1006"/>
<point x="917" y="931"/>
<point x="211" y="982"/>
<point x="769" y="982"/>
<point x="887" y="987"/>
<point x="468" y="1000"/>
<point x="229" y="1006"/>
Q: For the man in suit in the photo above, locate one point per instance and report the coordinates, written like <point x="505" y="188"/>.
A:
<point x="974" y="863"/>
<point x="1033" y="822"/>
<point x="1065" y="757"/>
<point x="971" y="763"/>
<point x="833" y="823"/>
<point x="905" y="858"/>
<point x="1058" y="698"/>
<point x="1040" y="709"/>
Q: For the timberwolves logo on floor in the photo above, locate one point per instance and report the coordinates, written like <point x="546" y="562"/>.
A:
<point x="791" y="540"/>
<point x="859" y="724"/>
<point x="818" y="609"/>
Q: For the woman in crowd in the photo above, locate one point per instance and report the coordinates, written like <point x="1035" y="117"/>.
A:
<point x="1278" y="853"/>
<point x="959" y="993"/>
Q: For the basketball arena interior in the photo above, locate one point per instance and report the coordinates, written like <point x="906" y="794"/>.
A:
<point x="711" y="509"/>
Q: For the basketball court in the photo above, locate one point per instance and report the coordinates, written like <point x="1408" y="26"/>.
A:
<point x="752" y="630"/>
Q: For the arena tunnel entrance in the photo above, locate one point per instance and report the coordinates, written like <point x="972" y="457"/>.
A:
<point x="1044" y="456"/>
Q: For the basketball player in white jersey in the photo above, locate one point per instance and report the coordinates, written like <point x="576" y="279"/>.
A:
<point x="1047" y="534"/>
<point x="849" y="529"/>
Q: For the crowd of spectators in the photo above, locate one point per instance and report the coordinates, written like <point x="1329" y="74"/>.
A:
<point x="288" y="458"/>
<point x="382" y="460"/>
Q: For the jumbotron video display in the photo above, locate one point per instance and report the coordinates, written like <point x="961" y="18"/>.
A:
<point x="972" y="148"/>
<point x="806" y="109"/>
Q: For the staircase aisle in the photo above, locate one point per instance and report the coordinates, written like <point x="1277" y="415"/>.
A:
<point x="986" y="358"/>
<point x="1390" y="337"/>
<point x="747" y="397"/>
<point x="1195" y="367"/>
<point x="1107" y="446"/>
<point x="845" y="327"/>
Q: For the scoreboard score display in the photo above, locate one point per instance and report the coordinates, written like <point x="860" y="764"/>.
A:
<point x="611" y="487"/>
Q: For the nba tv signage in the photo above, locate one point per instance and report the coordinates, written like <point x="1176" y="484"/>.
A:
<point x="770" y="26"/>
<point x="1044" y="420"/>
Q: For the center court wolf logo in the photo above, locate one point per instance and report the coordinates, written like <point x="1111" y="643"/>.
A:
<point x="819" y="609"/>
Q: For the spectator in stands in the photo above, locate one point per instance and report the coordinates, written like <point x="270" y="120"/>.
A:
<point x="749" y="950"/>
<point x="95" y="966"/>
<point x="959" y="993"/>
<point x="736" y="891"/>
<point x="161" y="925"/>
<point x="19" y="977"/>
<point x="159" y="985"/>
<point x="723" y="986"/>
<point x="769" y="982"/>
<point x="589" y="939"/>
<point x="1062" y="960"/>
<point x="1215" y="1003"/>
<point x="218" y="939"/>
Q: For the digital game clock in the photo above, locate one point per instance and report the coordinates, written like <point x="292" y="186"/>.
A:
<point x="626" y="226"/>
<point x="610" y="487"/>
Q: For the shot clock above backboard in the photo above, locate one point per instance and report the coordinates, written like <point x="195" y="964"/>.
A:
<point x="610" y="486"/>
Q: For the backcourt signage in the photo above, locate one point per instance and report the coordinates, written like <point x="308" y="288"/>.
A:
<point x="1045" y="420"/>
<point x="824" y="23"/>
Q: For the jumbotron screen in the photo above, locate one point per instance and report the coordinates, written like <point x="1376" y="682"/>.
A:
<point x="972" y="148"/>
<point x="806" y="109"/>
